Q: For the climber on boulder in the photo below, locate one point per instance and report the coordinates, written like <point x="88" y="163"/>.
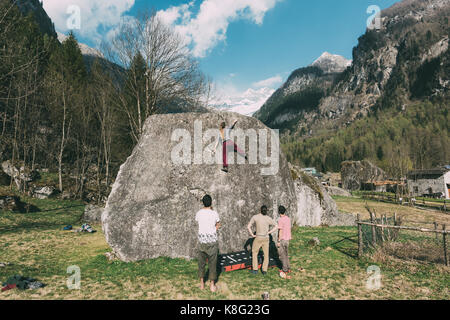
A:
<point x="227" y="144"/>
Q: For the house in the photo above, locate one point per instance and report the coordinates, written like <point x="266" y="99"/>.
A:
<point x="383" y="186"/>
<point x="312" y="172"/>
<point x="431" y="182"/>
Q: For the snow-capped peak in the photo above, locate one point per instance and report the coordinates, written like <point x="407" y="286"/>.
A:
<point x="331" y="63"/>
<point x="246" y="103"/>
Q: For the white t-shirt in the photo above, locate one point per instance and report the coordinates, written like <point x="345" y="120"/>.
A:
<point x="207" y="220"/>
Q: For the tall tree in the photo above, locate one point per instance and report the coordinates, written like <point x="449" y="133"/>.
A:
<point x="159" y="69"/>
<point x="66" y="79"/>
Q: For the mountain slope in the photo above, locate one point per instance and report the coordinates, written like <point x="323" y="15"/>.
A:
<point x="390" y="66"/>
<point x="391" y="104"/>
<point x="35" y="8"/>
<point x="302" y="92"/>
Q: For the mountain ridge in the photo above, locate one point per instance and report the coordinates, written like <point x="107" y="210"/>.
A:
<point x="283" y="107"/>
<point x="412" y="32"/>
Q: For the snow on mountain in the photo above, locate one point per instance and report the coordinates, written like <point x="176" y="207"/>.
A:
<point x="331" y="63"/>
<point x="85" y="49"/>
<point x="245" y="103"/>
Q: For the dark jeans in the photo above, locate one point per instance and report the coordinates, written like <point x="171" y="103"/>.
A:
<point x="208" y="251"/>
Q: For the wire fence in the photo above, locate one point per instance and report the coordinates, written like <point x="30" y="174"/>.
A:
<point x="424" y="241"/>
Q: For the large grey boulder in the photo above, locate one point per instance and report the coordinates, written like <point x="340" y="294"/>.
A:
<point x="355" y="173"/>
<point x="151" y="209"/>
<point x="314" y="204"/>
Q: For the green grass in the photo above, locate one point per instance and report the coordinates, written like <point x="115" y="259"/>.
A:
<point x="432" y="200"/>
<point x="36" y="246"/>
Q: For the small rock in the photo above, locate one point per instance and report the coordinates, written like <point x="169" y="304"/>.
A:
<point x="314" y="242"/>
<point x="111" y="256"/>
<point x="336" y="191"/>
<point x="43" y="192"/>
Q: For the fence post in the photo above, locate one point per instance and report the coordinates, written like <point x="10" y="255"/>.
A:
<point x="444" y="236"/>
<point x="374" y="231"/>
<point x="382" y="228"/>
<point x="360" y="239"/>
<point x="437" y="234"/>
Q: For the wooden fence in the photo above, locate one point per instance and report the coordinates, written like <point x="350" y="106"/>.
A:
<point x="408" y="201"/>
<point x="382" y="226"/>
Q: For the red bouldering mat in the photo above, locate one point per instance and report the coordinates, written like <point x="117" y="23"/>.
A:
<point x="240" y="261"/>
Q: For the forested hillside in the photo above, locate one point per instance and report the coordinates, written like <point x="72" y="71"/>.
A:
<point x="57" y="114"/>
<point x="396" y="140"/>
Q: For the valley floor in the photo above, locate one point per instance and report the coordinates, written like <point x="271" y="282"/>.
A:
<point x="36" y="246"/>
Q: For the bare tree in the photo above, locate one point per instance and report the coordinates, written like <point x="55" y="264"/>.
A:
<point x="171" y="74"/>
<point x="103" y="92"/>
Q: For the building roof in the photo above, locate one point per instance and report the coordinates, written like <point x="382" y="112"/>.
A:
<point x="385" y="183"/>
<point x="435" y="171"/>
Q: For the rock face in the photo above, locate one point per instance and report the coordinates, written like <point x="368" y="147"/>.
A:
<point x="93" y="213"/>
<point x="315" y="206"/>
<point x="21" y="176"/>
<point x="302" y="92"/>
<point x="332" y="63"/>
<point x="410" y="34"/>
<point x="354" y="173"/>
<point x="151" y="209"/>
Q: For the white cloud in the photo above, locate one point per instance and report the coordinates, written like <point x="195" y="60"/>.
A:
<point x="180" y="14"/>
<point x="94" y="14"/>
<point x="209" y="27"/>
<point x="271" y="82"/>
<point x="203" y="30"/>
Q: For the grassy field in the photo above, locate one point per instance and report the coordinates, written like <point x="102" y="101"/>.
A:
<point x="36" y="246"/>
<point x="414" y="215"/>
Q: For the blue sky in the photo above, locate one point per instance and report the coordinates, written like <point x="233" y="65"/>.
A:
<point x="239" y="43"/>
